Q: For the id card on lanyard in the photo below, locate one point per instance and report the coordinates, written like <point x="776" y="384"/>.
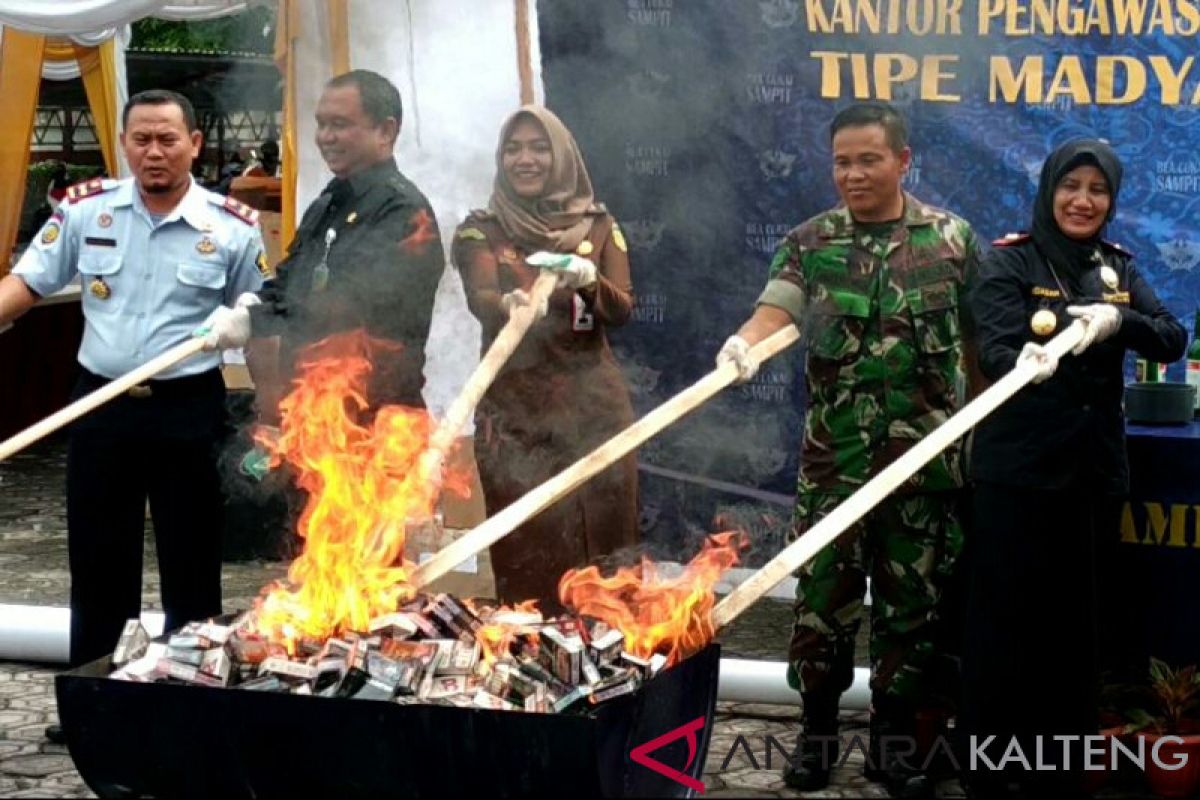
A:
<point x="582" y="318"/>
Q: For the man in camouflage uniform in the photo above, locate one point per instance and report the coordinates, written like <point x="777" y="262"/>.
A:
<point x="876" y="285"/>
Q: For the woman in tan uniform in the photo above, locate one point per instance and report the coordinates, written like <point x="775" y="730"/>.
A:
<point x="561" y="393"/>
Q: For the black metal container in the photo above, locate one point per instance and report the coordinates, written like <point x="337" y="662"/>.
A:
<point x="165" y="740"/>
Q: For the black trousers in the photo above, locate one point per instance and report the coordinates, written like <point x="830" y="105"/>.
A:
<point x="160" y="447"/>
<point x="1031" y="645"/>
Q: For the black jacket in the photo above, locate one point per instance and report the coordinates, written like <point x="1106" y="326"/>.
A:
<point x="384" y="264"/>
<point x="1071" y="427"/>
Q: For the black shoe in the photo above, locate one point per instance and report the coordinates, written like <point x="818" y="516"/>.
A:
<point x="55" y="735"/>
<point x="811" y="762"/>
<point x="817" y="747"/>
<point x="893" y="729"/>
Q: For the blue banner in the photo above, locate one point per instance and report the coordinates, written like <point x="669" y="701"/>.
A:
<point x="705" y="126"/>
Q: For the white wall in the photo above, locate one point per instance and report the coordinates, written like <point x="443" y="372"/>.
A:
<point x="455" y="64"/>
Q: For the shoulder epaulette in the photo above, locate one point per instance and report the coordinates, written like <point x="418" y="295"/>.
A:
<point x="1011" y="238"/>
<point x="236" y="207"/>
<point x="89" y="189"/>
<point x="469" y="233"/>
<point x="1118" y="247"/>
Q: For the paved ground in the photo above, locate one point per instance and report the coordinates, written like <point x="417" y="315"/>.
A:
<point x="33" y="569"/>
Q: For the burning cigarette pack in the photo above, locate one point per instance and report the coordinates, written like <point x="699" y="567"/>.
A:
<point x="606" y="647"/>
<point x="437" y="650"/>
<point x="395" y="626"/>
<point x="460" y="660"/>
<point x="186" y="673"/>
<point x="561" y="654"/>
<point x="132" y="644"/>
<point x="454" y="618"/>
<point x="281" y="667"/>
<point x="217" y="634"/>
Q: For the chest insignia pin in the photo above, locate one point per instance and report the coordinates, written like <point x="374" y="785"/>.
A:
<point x="1043" y="322"/>
<point x="99" y="289"/>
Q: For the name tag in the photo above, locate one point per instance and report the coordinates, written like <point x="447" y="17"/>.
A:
<point x="582" y="319"/>
<point x="98" y="242"/>
<point x="1042" y="291"/>
<point x="1116" y="297"/>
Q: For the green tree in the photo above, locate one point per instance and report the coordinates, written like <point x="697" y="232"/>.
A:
<point x="250" y="32"/>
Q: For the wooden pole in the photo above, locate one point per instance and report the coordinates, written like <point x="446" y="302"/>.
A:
<point x="524" y="51"/>
<point x="539" y="498"/>
<point x="520" y="319"/>
<point x="875" y="490"/>
<point x="99" y="397"/>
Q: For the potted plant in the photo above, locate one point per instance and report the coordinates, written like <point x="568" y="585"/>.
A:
<point x="1175" y="695"/>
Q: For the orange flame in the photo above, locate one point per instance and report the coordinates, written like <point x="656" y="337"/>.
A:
<point x="656" y="614"/>
<point x="497" y="636"/>
<point x="364" y="482"/>
<point x="423" y="233"/>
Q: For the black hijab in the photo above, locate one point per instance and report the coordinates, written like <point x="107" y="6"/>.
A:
<point x="1064" y="252"/>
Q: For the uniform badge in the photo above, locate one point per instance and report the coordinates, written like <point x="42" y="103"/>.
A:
<point x="619" y="238"/>
<point x="1109" y="276"/>
<point x="264" y="268"/>
<point x="206" y="246"/>
<point x="585" y="248"/>
<point x="99" y="289"/>
<point x="208" y="227"/>
<point x="320" y="277"/>
<point x="1043" y="322"/>
<point x="50" y="234"/>
<point x="104" y="220"/>
<point x="352" y="218"/>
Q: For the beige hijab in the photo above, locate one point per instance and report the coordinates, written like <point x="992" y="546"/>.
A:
<point x="562" y="216"/>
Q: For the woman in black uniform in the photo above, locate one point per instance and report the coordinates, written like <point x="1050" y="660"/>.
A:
<point x="1049" y="466"/>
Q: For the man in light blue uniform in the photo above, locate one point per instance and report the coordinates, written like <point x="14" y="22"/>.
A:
<point x="159" y="259"/>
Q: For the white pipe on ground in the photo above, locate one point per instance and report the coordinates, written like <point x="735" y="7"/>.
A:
<point x="746" y="681"/>
<point x="42" y="634"/>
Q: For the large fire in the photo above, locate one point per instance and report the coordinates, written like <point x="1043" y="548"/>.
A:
<point x="363" y="482"/>
<point x="365" y="479"/>
<point x="657" y="614"/>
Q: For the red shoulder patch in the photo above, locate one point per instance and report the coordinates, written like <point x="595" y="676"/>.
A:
<point x="87" y="189"/>
<point x="240" y="210"/>
<point x="1010" y="238"/>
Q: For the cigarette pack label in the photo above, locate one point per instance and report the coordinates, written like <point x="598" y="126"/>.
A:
<point x="291" y="669"/>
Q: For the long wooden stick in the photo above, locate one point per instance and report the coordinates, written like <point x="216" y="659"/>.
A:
<point x="875" y="490"/>
<point x="99" y="397"/>
<point x="520" y="319"/>
<point x="537" y="499"/>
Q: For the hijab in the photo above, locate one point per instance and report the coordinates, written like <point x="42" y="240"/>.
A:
<point x="1061" y="250"/>
<point x="561" y="217"/>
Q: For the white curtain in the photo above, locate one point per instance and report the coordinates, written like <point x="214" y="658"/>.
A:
<point x="75" y="17"/>
<point x="69" y="70"/>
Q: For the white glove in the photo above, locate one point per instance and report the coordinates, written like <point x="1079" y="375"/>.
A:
<point x="1102" y="321"/>
<point x="736" y="350"/>
<point x="1043" y="359"/>
<point x="228" y="328"/>
<point x="519" y="298"/>
<point x="574" y="272"/>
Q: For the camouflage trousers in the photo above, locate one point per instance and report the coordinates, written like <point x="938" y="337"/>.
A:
<point x="907" y="545"/>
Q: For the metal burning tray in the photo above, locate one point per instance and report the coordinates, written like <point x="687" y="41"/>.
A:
<point x="165" y="740"/>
